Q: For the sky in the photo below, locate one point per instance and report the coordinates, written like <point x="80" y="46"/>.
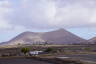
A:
<point x="76" y="16"/>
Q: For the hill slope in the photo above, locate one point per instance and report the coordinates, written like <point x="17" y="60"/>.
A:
<point x="92" y="40"/>
<point x="60" y="36"/>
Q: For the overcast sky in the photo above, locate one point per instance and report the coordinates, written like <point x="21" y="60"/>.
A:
<point x="77" y="16"/>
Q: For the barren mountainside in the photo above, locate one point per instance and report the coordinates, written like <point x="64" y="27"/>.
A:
<point x="92" y="40"/>
<point x="60" y="36"/>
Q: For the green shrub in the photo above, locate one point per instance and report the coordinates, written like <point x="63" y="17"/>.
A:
<point x="49" y="50"/>
<point x="25" y="50"/>
<point x="87" y="49"/>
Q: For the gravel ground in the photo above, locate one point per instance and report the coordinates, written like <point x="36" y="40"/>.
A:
<point x="21" y="61"/>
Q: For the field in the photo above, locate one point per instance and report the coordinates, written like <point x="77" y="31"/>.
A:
<point x="85" y="53"/>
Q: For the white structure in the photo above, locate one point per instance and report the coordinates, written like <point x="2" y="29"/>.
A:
<point x="35" y="52"/>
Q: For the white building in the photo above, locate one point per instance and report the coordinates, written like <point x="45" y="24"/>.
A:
<point x="35" y="52"/>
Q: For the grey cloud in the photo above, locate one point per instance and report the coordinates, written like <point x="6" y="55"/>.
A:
<point x="48" y="14"/>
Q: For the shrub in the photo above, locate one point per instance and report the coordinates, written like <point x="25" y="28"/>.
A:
<point x="49" y="50"/>
<point x="25" y="50"/>
<point x="87" y="49"/>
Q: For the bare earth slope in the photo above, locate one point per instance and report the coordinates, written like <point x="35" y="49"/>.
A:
<point x="60" y="36"/>
<point x="92" y="40"/>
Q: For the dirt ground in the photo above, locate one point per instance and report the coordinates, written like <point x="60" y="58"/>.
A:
<point x="21" y="61"/>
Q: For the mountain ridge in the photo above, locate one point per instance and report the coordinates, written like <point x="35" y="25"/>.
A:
<point x="60" y="36"/>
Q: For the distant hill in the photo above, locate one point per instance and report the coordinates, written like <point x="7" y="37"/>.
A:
<point x="60" y="36"/>
<point x="92" y="40"/>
